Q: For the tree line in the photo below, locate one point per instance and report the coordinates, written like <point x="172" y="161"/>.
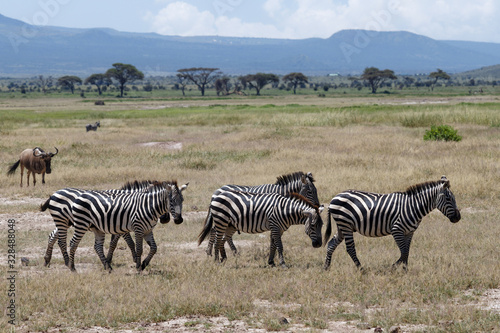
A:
<point x="203" y="77"/>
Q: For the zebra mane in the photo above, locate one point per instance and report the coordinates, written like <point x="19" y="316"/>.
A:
<point x="416" y="189"/>
<point x="303" y="199"/>
<point x="137" y="185"/>
<point x="148" y="185"/>
<point x="286" y="179"/>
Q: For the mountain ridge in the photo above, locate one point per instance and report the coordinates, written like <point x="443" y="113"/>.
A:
<point x="33" y="50"/>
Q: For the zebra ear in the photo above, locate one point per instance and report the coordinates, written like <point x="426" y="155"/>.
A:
<point x="303" y="179"/>
<point x="446" y="182"/>
<point x="183" y="187"/>
<point x="321" y="208"/>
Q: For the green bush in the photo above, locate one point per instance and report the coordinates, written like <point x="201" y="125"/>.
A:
<point x="442" y="133"/>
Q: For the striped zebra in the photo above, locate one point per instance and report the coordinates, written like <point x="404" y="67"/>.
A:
<point x="258" y="212"/>
<point x="59" y="205"/>
<point x="297" y="182"/>
<point x="398" y="214"/>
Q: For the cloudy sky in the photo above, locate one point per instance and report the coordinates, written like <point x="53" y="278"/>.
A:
<point x="474" y="20"/>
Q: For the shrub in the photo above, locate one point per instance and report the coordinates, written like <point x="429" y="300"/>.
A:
<point x="443" y="132"/>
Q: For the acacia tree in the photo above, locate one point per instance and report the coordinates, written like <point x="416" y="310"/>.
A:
<point x="375" y="77"/>
<point x="124" y="73"/>
<point x="98" y="80"/>
<point x="44" y="82"/>
<point x="69" y="81"/>
<point x="200" y="76"/>
<point x="258" y="81"/>
<point x="222" y="85"/>
<point x="440" y="74"/>
<point x="182" y="81"/>
<point x="295" y="79"/>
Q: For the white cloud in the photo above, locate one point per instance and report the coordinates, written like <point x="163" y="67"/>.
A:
<point x="181" y="18"/>
<point x="440" y="19"/>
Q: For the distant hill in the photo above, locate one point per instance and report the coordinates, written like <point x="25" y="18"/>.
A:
<point x="483" y="72"/>
<point x="27" y="50"/>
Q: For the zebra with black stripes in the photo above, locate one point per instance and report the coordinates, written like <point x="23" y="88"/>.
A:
<point x="297" y="182"/>
<point x="119" y="213"/>
<point x="398" y="214"/>
<point x="59" y="206"/>
<point x="258" y="212"/>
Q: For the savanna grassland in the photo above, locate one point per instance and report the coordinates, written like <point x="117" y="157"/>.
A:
<point x="367" y="143"/>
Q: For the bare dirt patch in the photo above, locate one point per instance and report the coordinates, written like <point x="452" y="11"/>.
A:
<point x="169" y="145"/>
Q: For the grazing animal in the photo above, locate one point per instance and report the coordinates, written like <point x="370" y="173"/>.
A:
<point x="119" y="213"/>
<point x="258" y="212"/>
<point x="91" y="127"/>
<point x="297" y="182"/>
<point x="35" y="161"/>
<point x="59" y="205"/>
<point x="398" y="214"/>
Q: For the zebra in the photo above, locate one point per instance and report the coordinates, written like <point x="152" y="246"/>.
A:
<point x="118" y="213"/>
<point x="258" y="212"/>
<point x="398" y="214"/>
<point x="59" y="205"/>
<point x="296" y="182"/>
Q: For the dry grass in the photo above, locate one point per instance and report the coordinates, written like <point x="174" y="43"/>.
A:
<point x="368" y="147"/>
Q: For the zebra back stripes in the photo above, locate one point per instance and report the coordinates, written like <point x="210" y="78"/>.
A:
<point x="297" y="182"/>
<point x="124" y="212"/>
<point x="259" y="212"/>
<point x="398" y="214"/>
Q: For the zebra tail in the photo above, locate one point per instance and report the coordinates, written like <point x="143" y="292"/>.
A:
<point x="13" y="168"/>
<point x="328" y="230"/>
<point x="43" y="207"/>
<point x="206" y="229"/>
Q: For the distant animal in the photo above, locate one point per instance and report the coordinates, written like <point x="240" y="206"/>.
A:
<point x="91" y="127"/>
<point x="398" y="214"/>
<point x="35" y="161"/>
<point x="59" y="206"/>
<point x="259" y="212"/>
<point x="297" y="182"/>
<point x="99" y="102"/>
<point x="119" y="213"/>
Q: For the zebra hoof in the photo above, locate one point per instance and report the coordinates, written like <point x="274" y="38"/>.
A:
<point x="47" y="263"/>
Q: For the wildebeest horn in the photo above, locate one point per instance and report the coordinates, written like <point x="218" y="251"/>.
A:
<point x="57" y="150"/>
<point x="41" y="152"/>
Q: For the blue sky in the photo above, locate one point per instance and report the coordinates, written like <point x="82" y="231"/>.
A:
<point x="476" y="20"/>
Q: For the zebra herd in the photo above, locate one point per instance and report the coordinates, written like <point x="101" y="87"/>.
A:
<point x="292" y="200"/>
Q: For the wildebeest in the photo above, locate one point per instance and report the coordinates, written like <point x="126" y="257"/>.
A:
<point x="35" y="161"/>
<point x="91" y="127"/>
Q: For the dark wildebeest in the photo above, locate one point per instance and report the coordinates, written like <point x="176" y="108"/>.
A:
<point x="91" y="127"/>
<point x="35" y="161"/>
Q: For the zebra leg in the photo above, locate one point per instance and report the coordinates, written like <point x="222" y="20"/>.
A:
<point x="272" y="252"/>
<point x="228" y="237"/>
<point x="130" y="243"/>
<point x="75" y="240"/>
<point x="99" y="248"/>
<point x="152" y="249"/>
<point x="112" y="246"/>
<point x="351" y="249"/>
<point x="332" y="245"/>
<point x="50" y="247"/>
<point x="276" y="239"/>
<point x="139" y="235"/>
<point x="211" y="242"/>
<point x="403" y="241"/>
<point x="62" y="235"/>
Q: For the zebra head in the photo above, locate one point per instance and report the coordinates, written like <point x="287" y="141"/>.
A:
<point x="446" y="202"/>
<point x="308" y="190"/>
<point x="313" y="225"/>
<point x="175" y="200"/>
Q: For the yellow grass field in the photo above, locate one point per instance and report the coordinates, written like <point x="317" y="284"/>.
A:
<point x="373" y="144"/>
